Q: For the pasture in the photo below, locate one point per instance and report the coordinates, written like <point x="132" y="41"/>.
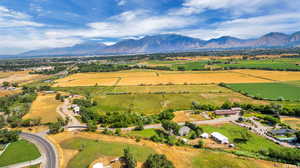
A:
<point x="273" y="91"/>
<point x="91" y="150"/>
<point x="154" y="99"/>
<point x="18" y="152"/>
<point x="234" y="133"/>
<point x="44" y="107"/>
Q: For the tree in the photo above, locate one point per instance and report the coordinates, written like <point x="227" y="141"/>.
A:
<point x="7" y="136"/>
<point x="158" y="161"/>
<point x="129" y="159"/>
<point x="200" y="143"/>
<point x="170" y="126"/>
<point x="298" y="136"/>
<point x="5" y="84"/>
<point x="57" y="96"/>
<point x="166" y="115"/>
<point x="91" y="126"/>
<point x="57" y="127"/>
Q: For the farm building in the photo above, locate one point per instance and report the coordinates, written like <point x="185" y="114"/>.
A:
<point x="219" y="137"/>
<point x="231" y="111"/>
<point x="283" y="132"/>
<point x="183" y="131"/>
<point x="204" y="135"/>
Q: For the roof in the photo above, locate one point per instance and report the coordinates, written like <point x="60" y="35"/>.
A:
<point x="283" y="131"/>
<point x="219" y="136"/>
<point x="204" y="135"/>
<point x="98" y="165"/>
<point x="184" y="130"/>
<point x="224" y="112"/>
<point x="236" y="109"/>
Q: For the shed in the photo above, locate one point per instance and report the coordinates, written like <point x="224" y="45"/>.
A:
<point x="220" y="138"/>
<point x="183" y="131"/>
<point x="204" y="135"/>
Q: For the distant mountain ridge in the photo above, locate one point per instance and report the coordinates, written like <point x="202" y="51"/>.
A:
<point x="170" y="43"/>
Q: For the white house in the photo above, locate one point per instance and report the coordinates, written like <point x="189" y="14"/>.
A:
<point x="204" y="135"/>
<point x="183" y="131"/>
<point x="219" y="137"/>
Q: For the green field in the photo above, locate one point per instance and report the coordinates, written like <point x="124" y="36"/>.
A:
<point x="273" y="91"/>
<point x="17" y="152"/>
<point x="210" y="159"/>
<point x="233" y="132"/>
<point x="154" y="99"/>
<point x="146" y="133"/>
<point x="92" y="150"/>
<point x="272" y="64"/>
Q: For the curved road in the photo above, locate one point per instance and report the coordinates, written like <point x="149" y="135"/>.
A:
<point x="47" y="149"/>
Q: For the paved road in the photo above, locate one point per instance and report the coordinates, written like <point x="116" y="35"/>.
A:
<point x="48" y="151"/>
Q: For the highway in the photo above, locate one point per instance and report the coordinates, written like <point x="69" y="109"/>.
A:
<point x="48" y="151"/>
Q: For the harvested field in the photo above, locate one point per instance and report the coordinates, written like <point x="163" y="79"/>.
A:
<point x="271" y="75"/>
<point x="183" y="116"/>
<point x="135" y="77"/>
<point x="44" y="107"/>
<point x="19" y="76"/>
<point x="292" y="121"/>
<point x="9" y="92"/>
<point x="182" y="157"/>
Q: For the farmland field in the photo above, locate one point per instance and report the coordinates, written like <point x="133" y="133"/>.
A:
<point x="148" y="77"/>
<point x="19" y="151"/>
<point x="272" y="91"/>
<point x="273" y="64"/>
<point x="19" y="76"/>
<point x="233" y="132"/>
<point x="292" y="121"/>
<point x="9" y="92"/>
<point x="91" y="150"/>
<point x="154" y="99"/>
<point x="44" y="107"/>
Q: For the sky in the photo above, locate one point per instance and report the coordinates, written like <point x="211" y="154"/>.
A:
<point x="36" y="24"/>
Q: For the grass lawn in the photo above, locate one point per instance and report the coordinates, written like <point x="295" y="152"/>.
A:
<point x="92" y="150"/>
<point x="272" y="91"/>
<point x="208" y="159"/>
<point x="255" y="143"/>
<point x="18" y="152"/>
<point x="146" y="133"/>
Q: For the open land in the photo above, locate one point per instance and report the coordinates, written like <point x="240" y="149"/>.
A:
<point x="44" y="107"/>
<point x="294" y="122"/>
<point x="19" y="77"/>
<point x="180" y="156"/>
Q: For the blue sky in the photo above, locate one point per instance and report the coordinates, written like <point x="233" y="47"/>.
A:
<point x="34" y="24"/>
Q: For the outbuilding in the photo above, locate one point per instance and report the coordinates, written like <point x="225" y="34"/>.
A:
<point x="219" y="138"/>
<point x="204" y="135"/>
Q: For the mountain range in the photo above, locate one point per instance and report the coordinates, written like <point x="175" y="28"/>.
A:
<point x="170" y="43"/>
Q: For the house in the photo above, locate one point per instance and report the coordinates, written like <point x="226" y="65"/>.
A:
<point x="283" y="132"/>
<point x="204" y="135"/>
<point x="219" y="138"/>
<point x="183" y="131"/>
<point x="232" y="111"/>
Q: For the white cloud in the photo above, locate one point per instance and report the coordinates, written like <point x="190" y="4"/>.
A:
<point x="11" y="18"/>
<point x="250" y="27"/>
<point x="236" y="6"/>
<point x="122" y="2"/>
<point x="130" y="23"/>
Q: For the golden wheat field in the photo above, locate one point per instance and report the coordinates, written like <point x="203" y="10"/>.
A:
<point x="9" y="92"/>
<point x="135" y="77"/>
<point x="44" y="107"/>
<point x="272" y="75"/>
<point x="19" y="76"/>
